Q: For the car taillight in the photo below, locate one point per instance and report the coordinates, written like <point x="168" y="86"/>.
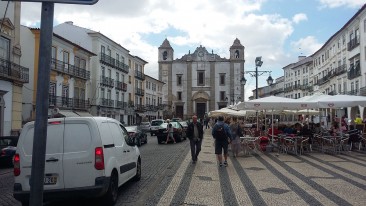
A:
<point x="2" y="152"/>
<point x="16" y="165"/>
<point x="99" y="158"/>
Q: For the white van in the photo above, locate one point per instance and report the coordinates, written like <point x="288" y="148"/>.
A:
<point x="85" y="156"/>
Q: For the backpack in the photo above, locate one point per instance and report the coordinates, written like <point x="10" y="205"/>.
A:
<point x="220" y="133"/>
<point x="235" y="131"/>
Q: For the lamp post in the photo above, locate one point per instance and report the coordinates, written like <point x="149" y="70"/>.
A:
<point x="256" y="73"/>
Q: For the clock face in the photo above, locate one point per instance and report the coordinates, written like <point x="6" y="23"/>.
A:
<point x="200" y="54"/>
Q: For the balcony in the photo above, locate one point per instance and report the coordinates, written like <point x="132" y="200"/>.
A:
<point x="68" y="103"/>
<point x="354" y="71"/>
<point x="151" y="107"/>
<point x="341" y="70"/>
<point x="139" y="92"/>
<point x="121" y="86"/>
<point x="140" y="108"/>
<point x="122" y="67"/>
<point x="69" y="69"/>
<point x="13" y="72"/>
<point x="139" y="75"/>
<point x="106" y="81"/>
<point x="353" y="43"/>
<point x="106" y="102"/>
<point x="107" y="60"/>
<point x="120" y="104"/>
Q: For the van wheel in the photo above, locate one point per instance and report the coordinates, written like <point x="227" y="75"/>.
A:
<point x="112" y="193"/>
<point x="137" y="177"/>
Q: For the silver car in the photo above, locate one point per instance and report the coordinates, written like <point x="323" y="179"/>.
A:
<point x="145" y="126"/>
<point x="155" y="125"/>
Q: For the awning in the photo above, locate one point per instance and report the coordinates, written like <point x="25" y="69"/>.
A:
<point x="83" y="114"/>
<point x="68" y="113"/>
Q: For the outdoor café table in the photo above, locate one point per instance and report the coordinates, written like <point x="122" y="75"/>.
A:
<point x="248" y="144"/>
<point x="293" y="142"/>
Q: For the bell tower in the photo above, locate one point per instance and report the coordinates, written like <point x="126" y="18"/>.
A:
<point x="237" y="51"/>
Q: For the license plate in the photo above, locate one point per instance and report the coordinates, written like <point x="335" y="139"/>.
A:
<point x="50" y="180"/>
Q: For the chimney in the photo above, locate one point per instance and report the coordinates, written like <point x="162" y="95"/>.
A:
<point x="301" y="57"/>
<point x="70" y="22"/>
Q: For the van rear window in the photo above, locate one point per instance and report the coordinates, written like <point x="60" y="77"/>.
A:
<point x="77" y="138"/>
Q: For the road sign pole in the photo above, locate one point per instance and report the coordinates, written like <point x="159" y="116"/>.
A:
<point x="40" y="130"/>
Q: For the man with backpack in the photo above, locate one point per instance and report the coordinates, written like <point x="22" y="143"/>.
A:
<point x="222" y="135"/>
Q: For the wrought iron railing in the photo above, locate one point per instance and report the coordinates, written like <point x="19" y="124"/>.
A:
<point x="353" y="43"/>
<point x="67" y="68"/>
<point x="354" y="72"/>
<point x="107" y="81"/>
<point x="68" y="103"/>
<point x="106" y="102"/>
<point x="13" y="72"/>
<point x="139" y="75"/>
<point x="139" y="91"/>
<point x="121" y="86"/>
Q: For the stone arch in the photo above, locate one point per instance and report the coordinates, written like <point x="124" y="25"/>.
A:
<point x="200" y="96"/>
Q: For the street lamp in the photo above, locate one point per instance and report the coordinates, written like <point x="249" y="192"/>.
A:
<point x="256" y="73"/>
<point x="258" y="63"/>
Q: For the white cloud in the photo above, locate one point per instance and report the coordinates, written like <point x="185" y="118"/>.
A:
<point x="340" y="3"/>
<point x="299" y="17"/>
<point x="307" y="46"/>
<point x="213" y="24"/>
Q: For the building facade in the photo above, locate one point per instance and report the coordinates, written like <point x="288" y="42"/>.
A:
<point x="298" y="78"/>
<point x="201" y="81"/>
<point x="153" y="99"/>
<point x="12" y="74"/>
<point x="69" y="76"/>
<point x="117" y="77"/>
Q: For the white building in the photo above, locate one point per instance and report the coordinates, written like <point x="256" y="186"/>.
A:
<point x="69" y="76"/>
<point x="117" y="77"/>
<point x="296" y="78"/>
<point x="153" y="98"/>
<point x="12" y="74"/>
<point x="201" y="81"/>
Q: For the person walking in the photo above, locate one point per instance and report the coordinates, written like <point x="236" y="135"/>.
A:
<point x="222" y="135"/>
<point x="195" y="136"/>
<point x="170" y="130"/>
<point x="236" y="133"/>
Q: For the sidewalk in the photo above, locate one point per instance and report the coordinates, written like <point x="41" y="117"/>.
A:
<point x="265" y="179"/>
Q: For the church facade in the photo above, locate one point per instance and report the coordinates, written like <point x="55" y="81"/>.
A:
<point x="199" y="82"/>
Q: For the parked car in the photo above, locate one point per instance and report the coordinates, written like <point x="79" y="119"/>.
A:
<point x="138" y="135"/>
<point x="162" y="133"/>
<point x="145" y="126"/>
<point x="85" y="157"/>
<point x="184" y="127"/>
<point x="176" y="119"/>
<point x="155" y="125"/>
<point x="8" y="146"/>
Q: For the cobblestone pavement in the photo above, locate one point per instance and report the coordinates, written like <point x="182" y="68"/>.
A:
<point x="170" y="178"/>
<point x="267" y="179"/>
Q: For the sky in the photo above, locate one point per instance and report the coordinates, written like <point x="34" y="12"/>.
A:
<point x="277" y="30"/>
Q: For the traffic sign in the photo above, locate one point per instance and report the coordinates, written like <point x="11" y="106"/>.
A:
<point x="61" y="1"/>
